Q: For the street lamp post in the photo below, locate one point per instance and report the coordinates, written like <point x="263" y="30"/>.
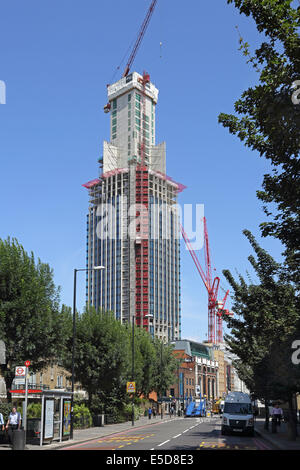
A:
<point x="179" y="394"/>
<point x="133" y="321"/>
<point x="95" y="268"/>
<point x="161" y="361"/>
<point x="132" y="352"/>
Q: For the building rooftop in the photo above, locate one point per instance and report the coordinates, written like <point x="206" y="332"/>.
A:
<point x="192" y="348"/>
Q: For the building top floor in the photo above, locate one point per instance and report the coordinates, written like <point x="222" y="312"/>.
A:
<point x="132" y="81"/>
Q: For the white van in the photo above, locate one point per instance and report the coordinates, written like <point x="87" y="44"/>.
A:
<point x="238" y="414"/>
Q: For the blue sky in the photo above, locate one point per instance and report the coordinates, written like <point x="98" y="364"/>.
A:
<point x="57" y="58"/>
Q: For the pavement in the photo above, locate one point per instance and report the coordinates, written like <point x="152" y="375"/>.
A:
<point x="279" y="440"/>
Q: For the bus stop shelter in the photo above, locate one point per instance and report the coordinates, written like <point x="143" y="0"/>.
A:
<point x="55" y="421"/>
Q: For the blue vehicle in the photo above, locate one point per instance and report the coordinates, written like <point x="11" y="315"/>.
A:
<point x="200" y="408"/>
<point x="190" y="409"/>
<point x="196" y="408"/>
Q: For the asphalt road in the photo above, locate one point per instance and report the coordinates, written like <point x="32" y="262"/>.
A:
<point x="186" y="434"/>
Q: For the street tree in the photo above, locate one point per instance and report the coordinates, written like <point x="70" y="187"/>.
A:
<point x="165" y="367"/>
<point x="264" y="325"/>
<point x="267" y="119"/>
<point x="32" y="324"/>
<point x="102" y="355"/>
<point x="144" y="361"/>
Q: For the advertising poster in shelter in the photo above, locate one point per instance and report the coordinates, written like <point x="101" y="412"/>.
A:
<point x="66" y="418"/>
<point x="49" y="419"/>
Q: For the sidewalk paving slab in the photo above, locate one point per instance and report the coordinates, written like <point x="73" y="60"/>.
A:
<point x="280" y="438"/>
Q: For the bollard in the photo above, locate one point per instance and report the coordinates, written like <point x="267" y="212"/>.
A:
<point x="18" y="439"/>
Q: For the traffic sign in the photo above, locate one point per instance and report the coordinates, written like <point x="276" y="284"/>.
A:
<point x="20" y="371"/>
<point x="130" y="387"/>
<point x="27" y="363"/>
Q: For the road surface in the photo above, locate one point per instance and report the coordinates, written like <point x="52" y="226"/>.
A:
<point x="176" y="434"/>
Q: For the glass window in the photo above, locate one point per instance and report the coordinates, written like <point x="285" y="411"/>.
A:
<point x="238" y="408"/>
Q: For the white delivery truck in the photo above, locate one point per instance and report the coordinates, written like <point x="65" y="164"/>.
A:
<point x="237" y="414"/>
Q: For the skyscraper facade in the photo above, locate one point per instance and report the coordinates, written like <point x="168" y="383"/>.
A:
<point x="133" y="219"/>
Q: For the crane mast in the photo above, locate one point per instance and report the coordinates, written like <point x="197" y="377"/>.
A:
<point x="215" y="308"/>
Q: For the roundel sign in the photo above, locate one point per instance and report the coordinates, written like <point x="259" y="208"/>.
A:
<point x="27" y="363"/>
<point x="20" y="371"/>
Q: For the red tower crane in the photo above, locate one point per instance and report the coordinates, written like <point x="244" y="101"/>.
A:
<point x="139" y="38"/>
<point x="136" y="46"/>
<point x="215" y="332"/>
<point x="220" y="311"/>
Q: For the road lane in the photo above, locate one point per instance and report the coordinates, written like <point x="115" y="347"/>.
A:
<point x="180" y="434"/>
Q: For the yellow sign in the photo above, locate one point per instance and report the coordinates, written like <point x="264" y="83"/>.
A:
<point x="130" y="387"/>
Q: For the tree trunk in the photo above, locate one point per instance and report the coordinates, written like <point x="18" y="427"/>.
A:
<point x="266" y="425"/>
<point x="8" y="377"/>
<point x="292" y="423"/>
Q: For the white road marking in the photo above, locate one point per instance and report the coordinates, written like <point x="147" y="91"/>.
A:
<point x="176" y="436"/>
<point x="163" y="443"/>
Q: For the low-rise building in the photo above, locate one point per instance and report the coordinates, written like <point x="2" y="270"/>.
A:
<point x="197" y="374"/>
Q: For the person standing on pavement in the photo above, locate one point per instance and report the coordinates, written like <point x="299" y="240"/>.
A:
<point x="13" y="422"/>
<point x="149" y="412"/>
<point x="277" y="414"/>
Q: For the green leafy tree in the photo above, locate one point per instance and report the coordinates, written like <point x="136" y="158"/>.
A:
<point x="144" y="361"/>
<point x="103" y="361"/>
<point x="166" y="365"/>
<point x="268" y="121"/>
<point x="31" y="322"/>
<point x="262" y="329"/>
<point x="101" y="355"/>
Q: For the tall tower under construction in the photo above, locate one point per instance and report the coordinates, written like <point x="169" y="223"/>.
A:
<point x="133" y="220"/>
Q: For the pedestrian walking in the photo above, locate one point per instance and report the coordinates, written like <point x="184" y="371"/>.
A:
<point x="13" y="422"/>
<point x="154" y="412"/>
<point x="277" y="414"/>
<point x="149" y="412"/>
